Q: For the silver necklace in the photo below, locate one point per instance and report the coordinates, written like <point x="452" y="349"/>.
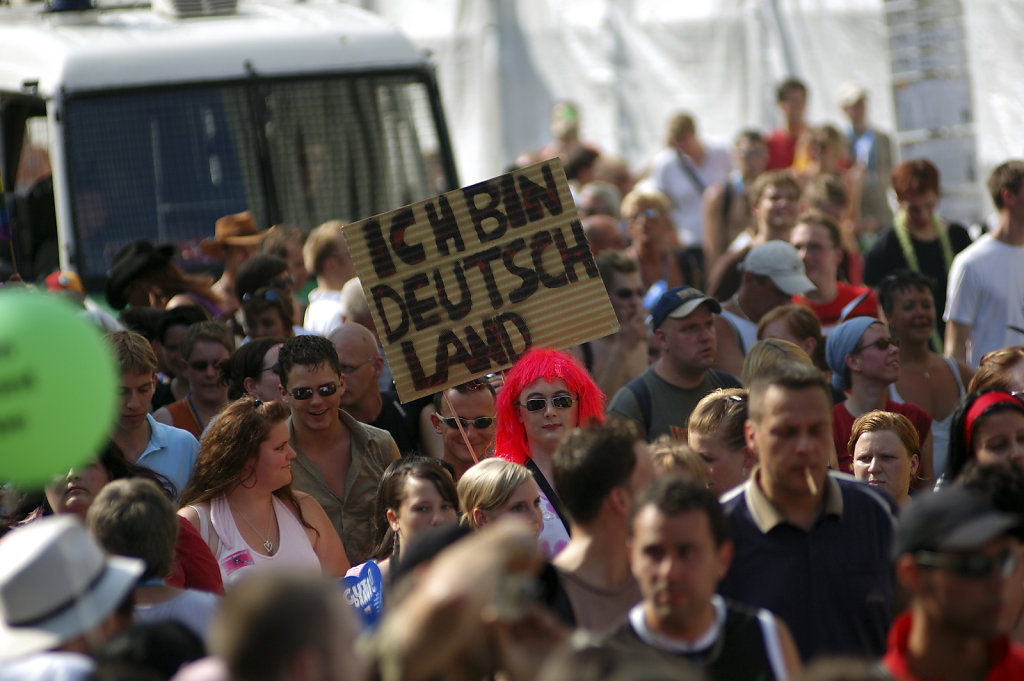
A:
<point x="267" y="544"/>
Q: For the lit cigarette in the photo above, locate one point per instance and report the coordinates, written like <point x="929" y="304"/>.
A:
<point x="810" y="482"/>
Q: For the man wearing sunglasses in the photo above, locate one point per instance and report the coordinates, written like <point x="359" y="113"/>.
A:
<point x="470" y="405"/>
<point x="339" y="461"/>
<point x="865" y="361"/>
<point x="954" y="556"/>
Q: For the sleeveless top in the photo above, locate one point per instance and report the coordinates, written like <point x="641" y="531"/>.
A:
<point x="940" y="429"/>
<point x="745" y="330"/>
<point x="184" y="418"/>
<point x="236" y="558"/>
<point x="554" y="530"/>
<point x="743" y="643"/>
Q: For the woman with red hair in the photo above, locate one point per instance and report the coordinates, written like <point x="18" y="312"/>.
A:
<point x="546" y="394"/>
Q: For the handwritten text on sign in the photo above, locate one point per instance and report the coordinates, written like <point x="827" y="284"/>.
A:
<point x="462" y="284"/>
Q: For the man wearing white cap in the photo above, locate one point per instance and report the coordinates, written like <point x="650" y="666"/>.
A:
<point x="772" y="274"/>
<point x="61" y="597"/>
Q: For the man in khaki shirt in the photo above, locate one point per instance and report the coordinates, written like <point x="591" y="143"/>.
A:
<point x="339" y="461"/>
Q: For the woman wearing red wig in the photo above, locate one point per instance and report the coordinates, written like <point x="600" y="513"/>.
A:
<point x="546" y="394"/>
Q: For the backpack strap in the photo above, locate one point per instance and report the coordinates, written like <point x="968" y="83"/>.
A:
<point x="643" y="399"/>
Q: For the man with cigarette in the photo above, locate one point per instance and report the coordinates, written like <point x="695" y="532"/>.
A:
<point x="812" y="546"/>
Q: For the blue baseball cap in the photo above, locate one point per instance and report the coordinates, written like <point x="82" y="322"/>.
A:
<point x="680" y="302"/>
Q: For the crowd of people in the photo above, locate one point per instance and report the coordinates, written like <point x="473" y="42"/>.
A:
<point x="801" y="454"/>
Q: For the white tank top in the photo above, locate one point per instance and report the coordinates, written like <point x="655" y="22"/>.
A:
<point x="237" y="559"/>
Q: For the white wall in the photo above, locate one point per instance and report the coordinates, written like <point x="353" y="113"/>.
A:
<point x="631" y="63"/>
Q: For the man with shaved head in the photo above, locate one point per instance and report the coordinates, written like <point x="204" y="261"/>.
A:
<point x="361" y="365"/>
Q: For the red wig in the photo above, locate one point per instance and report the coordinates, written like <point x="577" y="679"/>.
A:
<point x="551" y="365"/>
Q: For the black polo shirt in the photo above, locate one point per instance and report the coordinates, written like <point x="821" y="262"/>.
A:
<point x="832" y="584"/>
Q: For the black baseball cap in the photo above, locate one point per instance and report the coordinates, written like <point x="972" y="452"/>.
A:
<point x="952" y="519"/>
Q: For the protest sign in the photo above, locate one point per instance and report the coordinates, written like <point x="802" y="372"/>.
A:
<point x="462" y="284"/>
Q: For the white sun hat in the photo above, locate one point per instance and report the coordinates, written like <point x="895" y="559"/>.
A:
<point x="56" y="583"/>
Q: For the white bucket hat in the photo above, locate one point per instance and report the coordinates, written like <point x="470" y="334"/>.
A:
<point x="56" y="583"/>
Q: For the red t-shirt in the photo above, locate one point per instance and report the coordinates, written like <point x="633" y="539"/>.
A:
<point x="842" y="426"/>
<point x="781" y="149"/>
<point x="194" y="564"/>
<point x="830" y="314"/>
<point x="1006" y="658"/>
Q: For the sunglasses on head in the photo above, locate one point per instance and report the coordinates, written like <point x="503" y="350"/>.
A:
<point x="971" y="565"/>
<point x="629" y="293"/>
<point x="558" y="402"/>
<point x="263" y="294"/>
<point x="881" y="344"/>
<point x="202" y="365"/>
<point x="303" y="394"/>
<point x="480" y="422"/>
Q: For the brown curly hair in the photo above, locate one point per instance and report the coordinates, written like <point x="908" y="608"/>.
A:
<point x="231" y="442"/>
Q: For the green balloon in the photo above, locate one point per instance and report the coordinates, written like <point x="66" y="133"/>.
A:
<point x="58" y="387"/>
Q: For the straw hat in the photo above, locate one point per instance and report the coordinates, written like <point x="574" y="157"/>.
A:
<point x="238" y="229"/>
<point x="55" y="584"/>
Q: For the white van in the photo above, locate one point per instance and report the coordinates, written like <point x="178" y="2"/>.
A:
<point x="134" y="122"/>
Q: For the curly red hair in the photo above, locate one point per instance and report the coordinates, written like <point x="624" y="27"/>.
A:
<point x="510" y="437"/>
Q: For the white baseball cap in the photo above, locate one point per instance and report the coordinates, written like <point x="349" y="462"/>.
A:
<point x="782" y="264"/>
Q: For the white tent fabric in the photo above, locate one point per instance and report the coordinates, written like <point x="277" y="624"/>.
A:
<point x="630" y="64"/>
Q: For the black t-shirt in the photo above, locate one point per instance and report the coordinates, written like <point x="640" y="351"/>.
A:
<point x="885" y="256"/>
<point x="402" y="421"/>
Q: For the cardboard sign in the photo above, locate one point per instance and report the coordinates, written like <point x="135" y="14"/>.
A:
<point x="461" y="285"/>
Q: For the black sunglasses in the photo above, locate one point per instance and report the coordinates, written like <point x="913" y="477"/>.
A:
<point x="628" y="293"/>
<point x="202" y="365"/>
<point x="558" y="401"/>
<point x="325" y="390"/>
<point x="480" y="422"/>
<point x="971" y="565"/>
<point x="881" y="344"/>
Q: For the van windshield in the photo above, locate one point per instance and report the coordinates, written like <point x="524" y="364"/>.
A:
<point x="164" y="164"/>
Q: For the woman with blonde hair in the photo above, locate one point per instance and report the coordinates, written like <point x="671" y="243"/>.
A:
<point x="716" y="432"/>
<point x="241" y="500"/>
<point x="886" y="452"/>
<point x="672" y="457"/>
<point x="494" y="488"/>
<point x="767" y="354"/>
<point x="655" y="244"/>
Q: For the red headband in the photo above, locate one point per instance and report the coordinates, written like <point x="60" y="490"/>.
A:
<point x="981" y="405"/>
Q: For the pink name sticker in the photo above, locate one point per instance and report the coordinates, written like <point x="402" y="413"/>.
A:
<point x="236" y="561"/>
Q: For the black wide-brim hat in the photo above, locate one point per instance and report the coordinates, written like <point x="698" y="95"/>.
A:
<point x="131" y="261"/>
